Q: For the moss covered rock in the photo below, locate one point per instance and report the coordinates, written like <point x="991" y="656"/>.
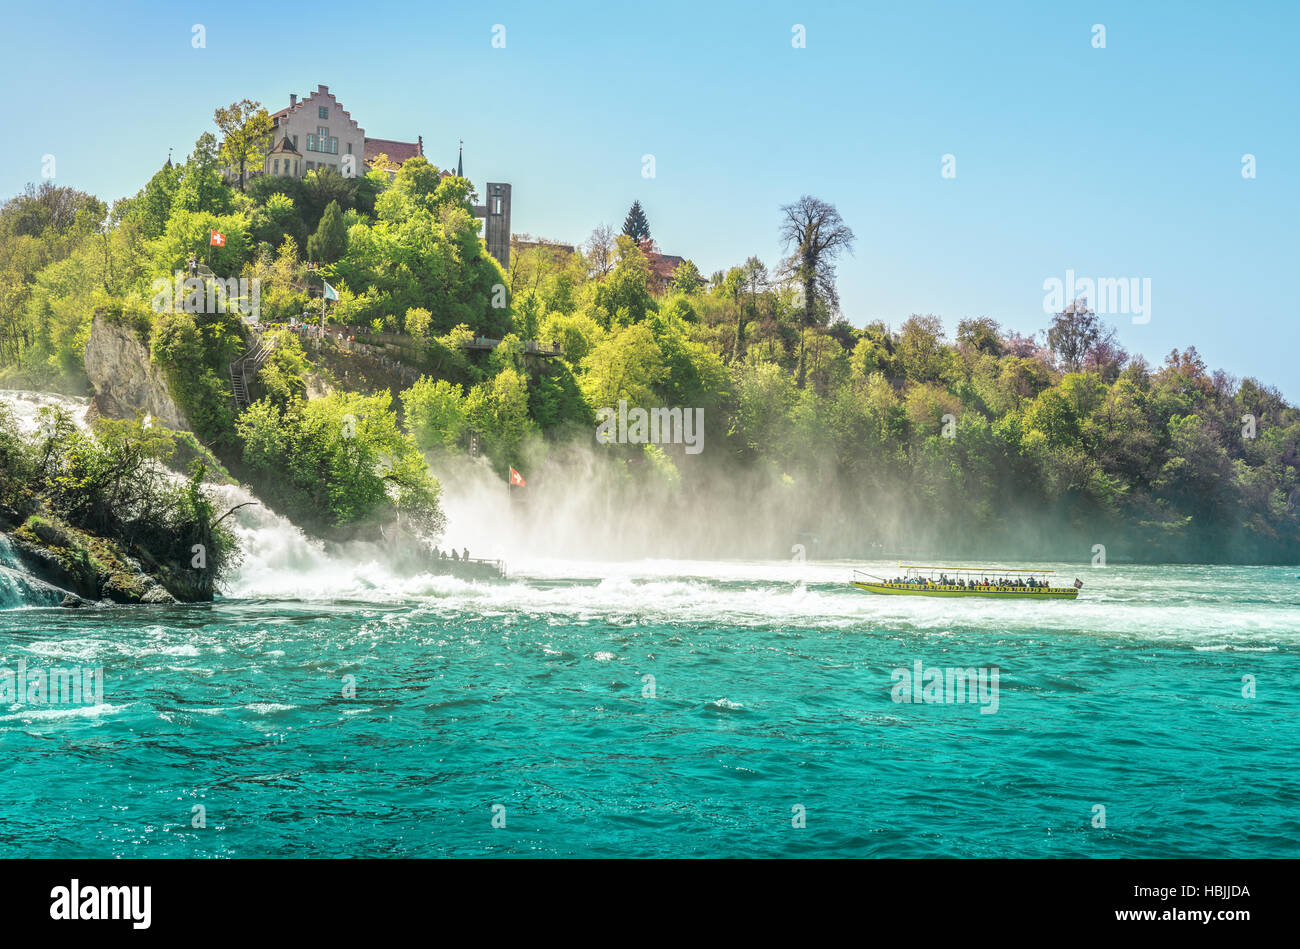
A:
<point x="89" y="566"/>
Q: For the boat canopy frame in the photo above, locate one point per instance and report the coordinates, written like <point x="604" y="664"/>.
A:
<point x="982" y="571"/>
<point x="923" y="572"/>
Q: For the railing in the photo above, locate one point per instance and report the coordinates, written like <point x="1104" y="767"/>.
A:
<point x="253" y="360"/>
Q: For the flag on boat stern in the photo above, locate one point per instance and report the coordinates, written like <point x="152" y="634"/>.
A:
<point x="1078" y="584"/>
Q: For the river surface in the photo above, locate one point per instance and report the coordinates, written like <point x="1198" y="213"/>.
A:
<point x="327" y="708"/>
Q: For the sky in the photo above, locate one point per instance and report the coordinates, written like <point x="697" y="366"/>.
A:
<point x="978" y="151"/>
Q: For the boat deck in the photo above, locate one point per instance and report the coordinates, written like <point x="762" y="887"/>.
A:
<point x="935" y="589"/>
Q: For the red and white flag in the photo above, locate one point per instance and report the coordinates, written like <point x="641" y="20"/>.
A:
<point x="517" y="478"/>
<point x="218" y="239"/>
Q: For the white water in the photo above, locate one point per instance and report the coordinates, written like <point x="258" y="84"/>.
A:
<point x="26" y="407"/>
<point x="1211" y="608"/>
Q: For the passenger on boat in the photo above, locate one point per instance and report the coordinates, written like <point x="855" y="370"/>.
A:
<point x="453" y="554"/>
<point x="464" y="554"/>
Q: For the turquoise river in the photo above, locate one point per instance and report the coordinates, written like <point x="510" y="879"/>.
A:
<point x="658" y="708"/>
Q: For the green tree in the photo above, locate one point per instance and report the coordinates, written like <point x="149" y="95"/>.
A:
<point x="814" y="234"/>
<point x="686" y="278"/>
<point x="330" y="242"/>
<point x="635" y="224"/>
<point x="1074" y="331"/>
<point x="435" y="413"/>
<point x="246" y="130"/>
<point x="498" y="410"/>
<point x="626" y="364"/>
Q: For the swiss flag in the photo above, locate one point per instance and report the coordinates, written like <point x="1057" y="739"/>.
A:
<point x="517" y="478"/>
<point x="218" y="239"/>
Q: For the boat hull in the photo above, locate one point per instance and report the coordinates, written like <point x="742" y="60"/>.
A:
<point x="1030" y="593"/>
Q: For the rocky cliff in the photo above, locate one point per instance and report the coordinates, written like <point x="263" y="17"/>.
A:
<point x="125" y="381"/>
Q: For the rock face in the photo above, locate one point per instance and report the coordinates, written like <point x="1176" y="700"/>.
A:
<point x="89" y="568"/>
<point x="126" y="382"/>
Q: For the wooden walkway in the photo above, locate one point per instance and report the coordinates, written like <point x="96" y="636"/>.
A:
<point x="531" y="347"/>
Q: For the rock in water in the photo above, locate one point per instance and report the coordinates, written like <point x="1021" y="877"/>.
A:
<point x="157" y="594"/>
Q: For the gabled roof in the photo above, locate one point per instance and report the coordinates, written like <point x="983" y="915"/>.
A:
<point x="285" y="148"/>
<point x="324" y="92"/>
<point x="397" y="152"/>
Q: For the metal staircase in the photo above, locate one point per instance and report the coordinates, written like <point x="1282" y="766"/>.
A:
<point x="246" y="367"/>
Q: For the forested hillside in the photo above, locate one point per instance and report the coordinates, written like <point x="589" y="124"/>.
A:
<point x="874" y="437"/>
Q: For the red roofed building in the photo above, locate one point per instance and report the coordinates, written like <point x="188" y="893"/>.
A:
<point x="397" y="152"/>
<point x="661" y="265"/>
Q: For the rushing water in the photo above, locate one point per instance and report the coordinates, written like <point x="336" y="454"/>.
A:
<point x="769" y="695"/>
<point x="327" y="707"/>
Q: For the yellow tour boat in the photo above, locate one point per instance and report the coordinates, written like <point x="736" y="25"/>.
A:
<point x="967" y="581"/>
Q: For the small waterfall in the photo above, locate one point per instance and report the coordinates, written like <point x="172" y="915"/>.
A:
<point x="18" y="588"/>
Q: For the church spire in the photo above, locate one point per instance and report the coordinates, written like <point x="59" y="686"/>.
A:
<point x="460" y="160"/>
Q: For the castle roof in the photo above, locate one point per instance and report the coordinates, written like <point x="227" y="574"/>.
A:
<point x="285" y="148"/>
<point x="297" y="105"/>
<point x="396" y="151"/>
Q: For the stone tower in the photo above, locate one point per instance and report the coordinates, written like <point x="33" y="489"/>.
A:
<point x="496" y="217"/>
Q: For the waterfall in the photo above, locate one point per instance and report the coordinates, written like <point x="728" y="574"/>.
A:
<point x="18" y="588"/>
<point x="277" y="560"/>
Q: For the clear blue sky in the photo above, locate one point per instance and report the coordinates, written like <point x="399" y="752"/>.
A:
<point x="1116" y="162"/>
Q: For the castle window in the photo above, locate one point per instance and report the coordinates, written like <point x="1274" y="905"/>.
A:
<point x="311" y="143"/>
<point x="295" y="143"/>
<point x="334" y="146"/>
<point x="323" y="112"/>
<point x="349" y="148"/>
<point x="275" y="166"/>
<point x="496" y="205"/>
